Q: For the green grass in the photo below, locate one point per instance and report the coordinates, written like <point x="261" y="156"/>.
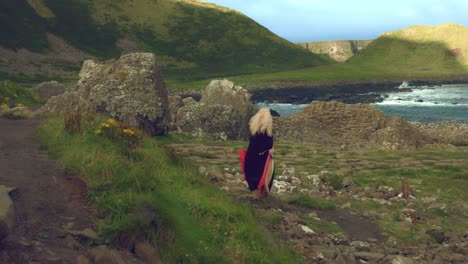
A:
<point x="196" y="222"/>
<point x="15" y="93"/>
<point x="311" y="203"/>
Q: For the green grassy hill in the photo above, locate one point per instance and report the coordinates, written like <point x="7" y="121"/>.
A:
<point x="419" y="52"/>
<point x="432" y="49"/>
<point x="192" y="39"/>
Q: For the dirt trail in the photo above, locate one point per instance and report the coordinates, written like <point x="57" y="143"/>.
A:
<point x="47" y="200"/>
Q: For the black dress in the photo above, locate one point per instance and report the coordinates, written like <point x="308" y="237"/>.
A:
<point x="255" y="159"/>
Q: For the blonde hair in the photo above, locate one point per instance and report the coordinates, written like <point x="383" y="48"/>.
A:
<point x="261" y="122"/>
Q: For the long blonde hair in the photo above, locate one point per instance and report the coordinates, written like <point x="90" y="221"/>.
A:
<point x="261" y="122"/>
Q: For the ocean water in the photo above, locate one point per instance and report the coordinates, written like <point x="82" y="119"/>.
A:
<point x="428" y="104"/>
<point x="421" y="104"/>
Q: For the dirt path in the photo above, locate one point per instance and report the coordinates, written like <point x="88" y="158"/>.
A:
<point x="48" y="201"/>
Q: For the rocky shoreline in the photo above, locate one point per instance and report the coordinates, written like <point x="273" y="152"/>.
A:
<point x="301" y="92"/>
<point x="345" y="92"/>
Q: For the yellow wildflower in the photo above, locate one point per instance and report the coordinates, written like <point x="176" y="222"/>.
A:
<point x="105" y="125"/>
<point x="112" y="122"/>
<point x="98" y="132"/>
<point x="129" y="132"/>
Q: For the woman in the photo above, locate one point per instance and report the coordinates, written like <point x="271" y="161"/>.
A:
<point x="259" y="169"/>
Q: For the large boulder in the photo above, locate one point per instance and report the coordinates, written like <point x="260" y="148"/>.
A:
<point x="223" y="112"/>
<point x="48" y="89"/>
<point x="130" y="89"/>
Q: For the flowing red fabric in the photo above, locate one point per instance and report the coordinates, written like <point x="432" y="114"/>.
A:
<point x="265" y="170"/>
<point x="242" y="154"/>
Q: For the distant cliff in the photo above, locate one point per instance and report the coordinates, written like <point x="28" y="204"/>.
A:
<point x="340" y="50"/>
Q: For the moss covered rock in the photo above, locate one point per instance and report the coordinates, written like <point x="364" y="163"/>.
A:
<point x="130" y="89"/>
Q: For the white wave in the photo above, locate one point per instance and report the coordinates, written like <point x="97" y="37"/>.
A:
<point x="404" y="84"/>
<point x="413" y="103"/>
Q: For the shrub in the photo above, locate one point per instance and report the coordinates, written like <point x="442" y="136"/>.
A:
<point x="72" y="122"/>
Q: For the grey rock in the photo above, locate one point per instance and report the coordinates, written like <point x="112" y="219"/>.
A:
<point x="223" y="112"/>
<point x="86" y="233"/>
<point x="188" y="101"/>
<point x="438" y="236"/>
<point x="369" y="256"/>
<point x="148" y="252"/>
<point x="82" y="260"/>
<point x="458" y="258"/>
<point x="48" y="89"/>
<point x="130" y="89"/>
<point x="104" y="255"/>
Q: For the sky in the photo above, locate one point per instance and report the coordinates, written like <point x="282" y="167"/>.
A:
<point x="322" y="20"/>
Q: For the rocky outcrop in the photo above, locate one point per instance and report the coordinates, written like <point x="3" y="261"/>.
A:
<point x="130" y="89"/>
<point x="340" y="50"/>
<point x="334" y="123"/>
<point x="222" y="113"/>
<point x="448" y="132"/>
<point x="331" y="123"/>
<point x="398" y="134"/>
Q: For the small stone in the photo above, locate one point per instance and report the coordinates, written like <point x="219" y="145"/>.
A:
<point x="323" y="175"/>
<point x="438" y="236"/>
<point x="369" y="256"/>
<point x="103" y="255"/>
<point x="347" y="182"/>
<point x="399" y="260"/>
<point x="82" y="260"/>
<point x="72" y="243"/>
<point x="346" y="205"/>
<point x="361" y="246"/>
<point x="86" y="233"/>
<point x="148" y="252"/>
<point x="457" y="257"/>
<point x="52" y="260"/>
<point x="24" y="243"/>
<point x="306" y="229"/>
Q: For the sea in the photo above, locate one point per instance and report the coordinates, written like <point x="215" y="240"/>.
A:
<point x="414" y="103"/>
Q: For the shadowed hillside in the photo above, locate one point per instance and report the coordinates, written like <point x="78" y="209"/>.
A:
<point x="191" y="38"/>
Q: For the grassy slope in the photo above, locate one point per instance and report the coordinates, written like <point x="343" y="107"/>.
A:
<point x="420" y="52"/>
<point x="196" y="222"/>
<point x="194" y="39"/>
